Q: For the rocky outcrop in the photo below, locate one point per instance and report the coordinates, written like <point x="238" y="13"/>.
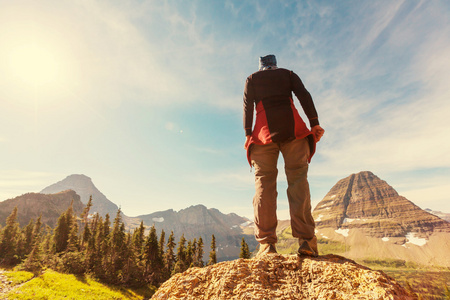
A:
<point x="84" y="187"/>
<point x="32" y="205"/>
<point x="366" y="202"/>
<point x="276" y="276"/>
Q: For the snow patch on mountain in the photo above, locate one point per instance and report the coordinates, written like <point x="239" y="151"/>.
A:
<point x="413" y="239"/>
<point x="344" y="232"/>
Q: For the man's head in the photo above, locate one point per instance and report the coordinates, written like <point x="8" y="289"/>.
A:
<point x="267" y="62"/>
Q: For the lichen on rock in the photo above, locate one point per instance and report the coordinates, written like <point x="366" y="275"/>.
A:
<point x="276" y="276"/>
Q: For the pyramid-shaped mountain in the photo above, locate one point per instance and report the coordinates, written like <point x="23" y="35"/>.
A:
<point x="84" y="187"/>
<point x="365" y="201"/>
<point x="369" y="219"/>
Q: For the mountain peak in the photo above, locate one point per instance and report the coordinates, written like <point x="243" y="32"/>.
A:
<point x="366" y="200"/>
<point x="84" y="187"/>
<point x="80" y="180"/>
<point x="78" y="177"/>
<point x="371" y="219"/>
<point x="365" y="174"/>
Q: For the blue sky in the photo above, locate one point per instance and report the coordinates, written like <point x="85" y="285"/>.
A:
<point x="145" y="97"/>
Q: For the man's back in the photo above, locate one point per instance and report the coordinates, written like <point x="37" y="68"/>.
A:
<point x="270" y="84"/>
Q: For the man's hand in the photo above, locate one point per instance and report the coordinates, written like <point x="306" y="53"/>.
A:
<point x="247" y="141"/>
<point x="318" y="132"/>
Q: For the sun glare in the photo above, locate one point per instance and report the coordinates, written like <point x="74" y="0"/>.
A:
<point x="34" y="65"/>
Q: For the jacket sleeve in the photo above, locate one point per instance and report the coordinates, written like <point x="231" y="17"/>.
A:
<point x="249" y="97"/>
<point x="305" y="99"/>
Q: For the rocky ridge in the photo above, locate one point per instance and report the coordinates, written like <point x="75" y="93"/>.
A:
<point x="32" y="205"/>
<point x="199" y="221"/>
<point x="276" y="276"/>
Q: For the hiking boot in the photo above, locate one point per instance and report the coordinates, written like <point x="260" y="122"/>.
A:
<point x="305" y="249"/>
<point x="266" y="249"/>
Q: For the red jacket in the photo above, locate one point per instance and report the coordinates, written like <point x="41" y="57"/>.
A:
<point x="277" y="119"/>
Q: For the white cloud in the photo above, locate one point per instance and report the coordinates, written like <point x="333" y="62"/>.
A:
<point x="112" y="59"/>
<point x="387" y="127"/>
<point x="379" y="77"/>
<point x="380" y="18"/>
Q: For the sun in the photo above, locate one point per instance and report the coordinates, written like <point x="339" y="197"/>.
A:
<point x="34" y="65"/>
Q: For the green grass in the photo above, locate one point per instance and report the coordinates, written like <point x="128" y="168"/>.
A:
<point x="19" y="277"/>
<point x="326" y="246"/>
<point x="53" y="285"/>
<point x="431" y="285"/>
<point x="286" y="243"/>
<point x="388" y="264"/>
<point x="289" y="245"/>
<point x="427" y="283"/>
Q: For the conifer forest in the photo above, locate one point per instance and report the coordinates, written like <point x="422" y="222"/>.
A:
<point x="91" y="244"/>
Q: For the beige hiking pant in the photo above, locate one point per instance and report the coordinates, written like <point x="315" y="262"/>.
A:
<point x="264" y="158"/>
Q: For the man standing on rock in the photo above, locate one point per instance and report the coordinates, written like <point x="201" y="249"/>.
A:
<point x="279" y="128"/>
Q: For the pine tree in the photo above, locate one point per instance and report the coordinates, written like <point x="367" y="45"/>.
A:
<point x="194" y="253"/>
<point x="62" y="230"/>
<point x="26" y="240"/>
<point x="99" y="247"/>
<point x="106" y="226"/>
<point x="212" y="254"/>
<point x="103" y="237"/>
<point x="90" y="246"/>
<point x="37" y="231"/>
<point x="73" y="241"/>
<point x="132" y="274"/>
<point x="189" y="255"/>
<point x="180" y="265"/>
<point x="152" y="258"/>
<point x="73" y="260"/>
<point x="181" y="250"/>
<point x="114" y="260"/>
<point x="138" y="240"/>
<point x="245" y="253"/>
<point x="169" y="256"/>
<point x="34" y="261"/>
<point x="199" y="253"/>
<point x="9" y="238"/>
<point x="162" y="240"/>
<point x="86" y="235"/>
<point x="48" y="246"/>
<point x="87" y="208"/>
